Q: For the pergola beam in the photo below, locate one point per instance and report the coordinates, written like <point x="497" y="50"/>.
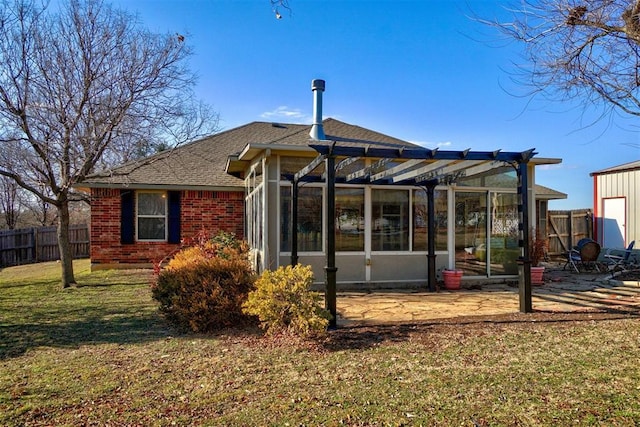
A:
<point x="485" y="167"/>
<point x="346" y="162"/>
<point x="449" y="173"/>
<point x="423" y="170"/>
<point x="422" y="153"/>
<point x="396" y="169"/>
<point x="366" y="171"/>
<point x="310" y="167"/>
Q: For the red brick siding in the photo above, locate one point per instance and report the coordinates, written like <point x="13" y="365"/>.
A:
<point x="212" y="211"/>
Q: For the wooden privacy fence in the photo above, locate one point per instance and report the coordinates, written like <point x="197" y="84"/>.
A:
<point x="566" y="228"/>
<point x="29" y="245"/>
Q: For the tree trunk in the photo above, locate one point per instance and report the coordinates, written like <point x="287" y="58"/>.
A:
<point x="66" y="255"/>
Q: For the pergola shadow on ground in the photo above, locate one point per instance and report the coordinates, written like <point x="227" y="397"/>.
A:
<point x="563" y="292"/>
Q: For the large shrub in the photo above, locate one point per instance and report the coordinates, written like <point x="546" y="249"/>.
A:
<point x="282" y="301"/>
<point x="203" y="287"/>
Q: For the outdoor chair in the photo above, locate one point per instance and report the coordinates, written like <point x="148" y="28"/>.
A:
<point x="620" y="262"/>
<point x="584" y="255"/>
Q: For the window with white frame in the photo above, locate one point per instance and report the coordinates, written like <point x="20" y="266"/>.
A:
<point x="390" y="220"/>
<point x="151" y="212"/>
<point x="349" y="219"/>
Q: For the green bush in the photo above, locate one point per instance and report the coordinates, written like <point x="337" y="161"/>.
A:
<point x="283" y="302"/>
<point x="204" y="286"/>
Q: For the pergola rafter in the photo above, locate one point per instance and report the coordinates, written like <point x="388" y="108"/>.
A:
<point x="420" y="167"/>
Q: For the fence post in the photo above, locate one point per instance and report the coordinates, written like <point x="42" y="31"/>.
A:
<point x="33" y="238"/>
<point x="570" y="230"/>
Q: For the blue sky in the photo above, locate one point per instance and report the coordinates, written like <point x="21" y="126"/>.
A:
<point x="422" y="71"/>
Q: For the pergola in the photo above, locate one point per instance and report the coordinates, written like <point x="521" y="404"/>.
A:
<point x="419" y="167"/>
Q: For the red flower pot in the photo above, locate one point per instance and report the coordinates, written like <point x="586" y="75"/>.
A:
<point x="452" y="279"/>
<point x="536" y="275"/>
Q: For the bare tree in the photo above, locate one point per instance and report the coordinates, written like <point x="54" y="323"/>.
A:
<point x="10" y="201"/>
<point x="579" y="49"/>
<point x="86" y="86"/>
<point x="38" y="212"/>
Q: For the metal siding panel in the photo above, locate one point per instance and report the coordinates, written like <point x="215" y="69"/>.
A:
<point x="623" y="184"/>
<point x="633" y="203"/>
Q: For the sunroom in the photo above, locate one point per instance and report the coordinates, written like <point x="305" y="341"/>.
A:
<point x="382" y="213"/>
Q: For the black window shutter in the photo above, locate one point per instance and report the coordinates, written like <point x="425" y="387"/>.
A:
<point x="127" y="217"/>
<point x="174" y="216"/>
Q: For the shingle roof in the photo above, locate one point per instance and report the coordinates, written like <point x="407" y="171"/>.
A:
<point x="547" y="193"/>
<point x="201" y="164"/>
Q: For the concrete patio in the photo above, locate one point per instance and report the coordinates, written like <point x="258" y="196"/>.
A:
<point x="563" y="292"/>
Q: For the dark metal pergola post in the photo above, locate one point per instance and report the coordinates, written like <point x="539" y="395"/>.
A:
<point x="431" y="235"/>
<point x="330" y="269"/>
<point x="524" y="282"/>
<point x="294" y="223"/>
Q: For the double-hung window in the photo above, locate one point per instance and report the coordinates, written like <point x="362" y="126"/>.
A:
<point x="151" y="216"/>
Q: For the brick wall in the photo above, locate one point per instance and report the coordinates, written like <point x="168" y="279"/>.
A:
<point x="210" y="210"/>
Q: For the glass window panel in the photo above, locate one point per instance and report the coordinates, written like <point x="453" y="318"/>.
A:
<point x="151" y="216"/>
<point x="503" y="243"/>
<point x="420" y="218"/>
<point x="151" y="203"/>
<point x="390" y="220"/>
<point x="471" y="232"/>
<point x="310" y="212"/>
<point x="349" y="219"/>
<point x="151" y="228"/>
<point x="285" y="219"/>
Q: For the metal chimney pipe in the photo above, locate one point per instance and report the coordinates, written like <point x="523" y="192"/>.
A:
<point x="317" y="131"/>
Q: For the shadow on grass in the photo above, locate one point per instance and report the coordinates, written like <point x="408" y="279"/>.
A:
<point x="16" y="340"/>
<point x="365" y="336"/>
<point x="38" y="314"/>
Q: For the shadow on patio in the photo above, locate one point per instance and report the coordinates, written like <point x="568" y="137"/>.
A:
<point x="563" y="292"/>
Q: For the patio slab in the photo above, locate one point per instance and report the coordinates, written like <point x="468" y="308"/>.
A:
<point x="564" y="291"/>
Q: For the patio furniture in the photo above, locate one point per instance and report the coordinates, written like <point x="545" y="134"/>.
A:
<point x="584" y="255"/>
<point x="620" y="262"/>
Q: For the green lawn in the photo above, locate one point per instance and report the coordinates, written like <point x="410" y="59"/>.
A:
<point x="100" y="354"/>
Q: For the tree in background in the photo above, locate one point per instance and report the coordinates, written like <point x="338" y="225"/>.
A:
<point x="10" y="202"/>
<point x="579" y="49"/>
<point x="40" y="213"/>
<point x="83" y="87"/>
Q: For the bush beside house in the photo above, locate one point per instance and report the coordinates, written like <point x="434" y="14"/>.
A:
<point x="203" y="287"/>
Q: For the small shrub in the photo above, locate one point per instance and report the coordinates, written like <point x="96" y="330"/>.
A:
<point x="203" y="287"/>
<point x="283" y="302"/>
<point x="537" y="247"/>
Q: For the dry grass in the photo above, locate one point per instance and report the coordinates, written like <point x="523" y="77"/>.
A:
<point x="100" y="354"/>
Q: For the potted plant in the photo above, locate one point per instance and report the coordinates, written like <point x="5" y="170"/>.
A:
<point x="537" y="252"/>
